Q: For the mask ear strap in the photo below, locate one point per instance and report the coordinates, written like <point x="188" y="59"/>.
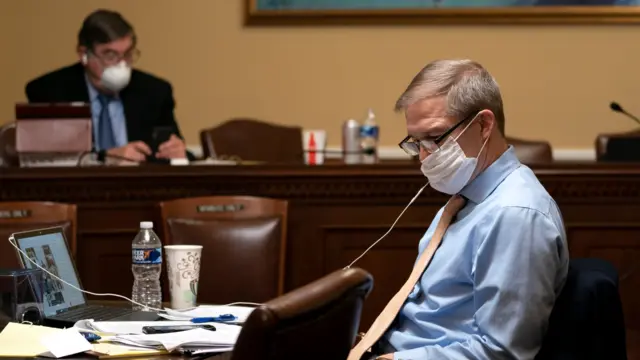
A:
<point x="483" y="145"/>
<point x="466" y="127"/>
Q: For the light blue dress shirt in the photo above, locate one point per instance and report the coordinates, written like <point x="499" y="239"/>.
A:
<point x="116" y="111"/>
<point x="492" y="284"/>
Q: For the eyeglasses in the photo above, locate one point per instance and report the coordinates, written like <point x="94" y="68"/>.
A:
<point x="412" y="146"/>
<point x="112" y="57"/>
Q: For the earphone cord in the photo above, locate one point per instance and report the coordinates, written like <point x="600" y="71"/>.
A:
<point x="145" y="307"/>
<point x="391" y="228"/>
<point x="12" y="241"/>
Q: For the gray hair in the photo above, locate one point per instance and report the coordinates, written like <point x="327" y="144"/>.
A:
<point x="467" y="85"/>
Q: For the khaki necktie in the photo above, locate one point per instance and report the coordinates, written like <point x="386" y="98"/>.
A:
<point x="389" y="313"/>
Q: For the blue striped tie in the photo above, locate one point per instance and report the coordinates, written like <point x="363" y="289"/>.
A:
<point x="105" y="130"/>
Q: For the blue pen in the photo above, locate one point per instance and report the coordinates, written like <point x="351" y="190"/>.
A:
<point x="91" y="337"/>
<point x="221" y="318"/>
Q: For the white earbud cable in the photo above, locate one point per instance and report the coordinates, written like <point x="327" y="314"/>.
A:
<point x="12" y="241"/>
<point x="391" y="228"/>
<point x="146" y="308"/>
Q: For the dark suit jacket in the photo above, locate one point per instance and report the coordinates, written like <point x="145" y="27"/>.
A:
<point x="147" y="100"/>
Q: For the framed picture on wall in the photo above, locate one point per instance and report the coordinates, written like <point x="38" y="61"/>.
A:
<point x="336" y="12"/>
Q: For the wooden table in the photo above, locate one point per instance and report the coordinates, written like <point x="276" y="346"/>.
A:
<point x="225" y="356"/>
<point x="336" y="211"/>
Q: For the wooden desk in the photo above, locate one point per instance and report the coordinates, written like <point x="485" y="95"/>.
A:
<point x="225" y="356"/>
<point x="336" y="211"/>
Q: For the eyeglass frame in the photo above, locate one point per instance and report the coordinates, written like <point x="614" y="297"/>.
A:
<point x="437" y="140"/>
<point x="134" y="53"/>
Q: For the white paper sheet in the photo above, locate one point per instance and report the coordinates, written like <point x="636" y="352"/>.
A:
<point x="135" y="327"/>
<point x="65" y="343"/>
<point x="193" y="338"/>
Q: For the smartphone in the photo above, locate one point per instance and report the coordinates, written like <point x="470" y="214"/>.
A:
<point x="159" y="135"/>
<point x="174" y="328"/>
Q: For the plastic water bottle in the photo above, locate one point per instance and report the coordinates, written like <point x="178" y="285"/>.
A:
<point x="369" y="134"/>
<point x="146" y="267"/>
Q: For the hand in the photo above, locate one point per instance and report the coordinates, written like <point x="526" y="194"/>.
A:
<point x="174" y="148"/>
<point x="386" y="357"/>
<point x="135" y="151"/>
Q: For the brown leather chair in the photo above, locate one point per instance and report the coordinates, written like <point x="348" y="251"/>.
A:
<point x="8" y="154"/>
<point x="253" y="140"/>
<point x="529" y="151"/>
<point x="318" y="321"/>
<point x="33" y="215"/>
<point x="244" y="242"/>
<point x="603" y="140"/>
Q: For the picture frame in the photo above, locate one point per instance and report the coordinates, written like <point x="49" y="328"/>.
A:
<point x="386" y="12"/>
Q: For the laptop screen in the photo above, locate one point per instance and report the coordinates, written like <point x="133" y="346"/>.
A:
<point x="49" y="249"/>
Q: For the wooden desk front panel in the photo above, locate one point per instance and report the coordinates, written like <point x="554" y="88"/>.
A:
<point x="335" y="213"/>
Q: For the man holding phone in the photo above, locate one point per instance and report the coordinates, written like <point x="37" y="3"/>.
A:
<point x="133" y="111"/>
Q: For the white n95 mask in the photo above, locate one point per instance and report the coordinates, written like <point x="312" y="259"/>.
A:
<point x="116" y="77"/>
<point x="449" y="169"/>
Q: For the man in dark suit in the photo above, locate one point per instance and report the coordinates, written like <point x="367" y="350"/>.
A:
<point x="127" y="104"/>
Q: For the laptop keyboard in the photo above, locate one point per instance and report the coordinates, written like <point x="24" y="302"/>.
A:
<point x="97" y="313"/>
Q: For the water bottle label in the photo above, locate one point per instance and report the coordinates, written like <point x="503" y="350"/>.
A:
<point x="147" y="256"/>
<point x="369" y="131"/>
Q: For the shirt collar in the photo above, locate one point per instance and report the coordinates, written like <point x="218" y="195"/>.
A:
<point x="93" y="92"/>
<point x="484" y="184"/>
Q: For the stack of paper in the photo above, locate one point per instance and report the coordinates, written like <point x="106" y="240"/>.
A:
<point x="135" y="327"/>
<point x="129" y="333"/>
<point x="191" y="340"/>
<point x="109" y="350"/>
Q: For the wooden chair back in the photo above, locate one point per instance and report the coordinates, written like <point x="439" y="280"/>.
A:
<point x="315" y="322"/>
<point x="33" y="215"/>
<point x="8" y="154"/>
<point x="241" y="235"/>
<point x="253" y="140"/>
<point x="618" y="147"/>
<point x="531" y="151"/>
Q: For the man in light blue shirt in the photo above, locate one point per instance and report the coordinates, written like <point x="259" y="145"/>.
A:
<point x="491" y="285"/>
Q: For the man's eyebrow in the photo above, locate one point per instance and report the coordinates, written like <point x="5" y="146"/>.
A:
<point x="431" y="133"/>
<point x="422" y="135"/>
<point x="130" y="48"/>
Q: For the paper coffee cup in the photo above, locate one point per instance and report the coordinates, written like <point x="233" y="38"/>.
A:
<point x="183" y="271"/>
<point x="314" y="143"/>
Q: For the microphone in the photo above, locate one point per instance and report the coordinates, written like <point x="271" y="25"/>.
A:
<point x="617" y="108"/>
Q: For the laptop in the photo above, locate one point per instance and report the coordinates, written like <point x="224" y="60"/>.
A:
<point x="63" y="305"/>
<point x="35" y="122"/>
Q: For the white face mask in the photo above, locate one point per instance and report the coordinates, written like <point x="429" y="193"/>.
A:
<point x="449" y="169"/>
<point x="116" y="77"/>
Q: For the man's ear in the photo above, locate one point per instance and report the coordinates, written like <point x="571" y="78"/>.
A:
<point x="82" y="54"/>
<point x="488" y="123"/>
